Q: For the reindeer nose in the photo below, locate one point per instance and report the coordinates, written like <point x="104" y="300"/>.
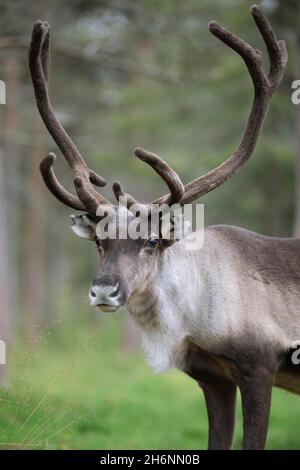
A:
<point x="94" y="291"/>
<point x="105" y="295"/>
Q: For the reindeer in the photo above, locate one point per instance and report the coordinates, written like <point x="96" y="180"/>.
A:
<point x="227" y="315"/>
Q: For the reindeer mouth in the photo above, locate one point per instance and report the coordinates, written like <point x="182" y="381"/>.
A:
<point x="107" y="308"/>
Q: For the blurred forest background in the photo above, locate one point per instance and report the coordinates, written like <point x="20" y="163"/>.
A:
<point x="125" y="74"/>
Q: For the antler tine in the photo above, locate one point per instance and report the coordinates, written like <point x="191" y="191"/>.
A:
<point x="119" y="192"/>
<point x="128" y="200"/>
<point x="264" y="87"/>
<point x="170" y="177"/>
<point x="54" y="185"/>
<point x="39" y="67"/>
<point x="276" y="49"/>
<point x="85" y="195"/>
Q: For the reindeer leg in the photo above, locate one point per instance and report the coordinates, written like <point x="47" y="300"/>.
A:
<point x="220" y="398"/>
<point x="256" y="392"/>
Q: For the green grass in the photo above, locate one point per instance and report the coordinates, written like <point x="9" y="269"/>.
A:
<point x="79" y="389"/>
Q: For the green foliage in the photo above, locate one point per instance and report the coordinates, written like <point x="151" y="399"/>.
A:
<point x="80" y="389"/>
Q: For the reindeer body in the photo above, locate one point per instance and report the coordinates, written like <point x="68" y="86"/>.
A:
<point x="227" y="315"/>
<point x="240" y="289"/>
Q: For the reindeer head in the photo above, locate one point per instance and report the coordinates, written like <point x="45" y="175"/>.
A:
<point x="127" y="264"/>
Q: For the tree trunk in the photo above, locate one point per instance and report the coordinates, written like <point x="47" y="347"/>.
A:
<point x="9" y="186"/>
<point x="34" y="288"/>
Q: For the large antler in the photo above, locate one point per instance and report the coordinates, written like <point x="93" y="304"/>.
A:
<point x="87" y="198"/>
<point x="264" y="87"/>
<point x="164" y="171"/>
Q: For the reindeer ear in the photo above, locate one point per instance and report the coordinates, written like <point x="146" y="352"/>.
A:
<point x="83" y="226"/>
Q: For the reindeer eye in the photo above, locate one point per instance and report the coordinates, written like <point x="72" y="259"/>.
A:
<point x="153" y="242"/>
